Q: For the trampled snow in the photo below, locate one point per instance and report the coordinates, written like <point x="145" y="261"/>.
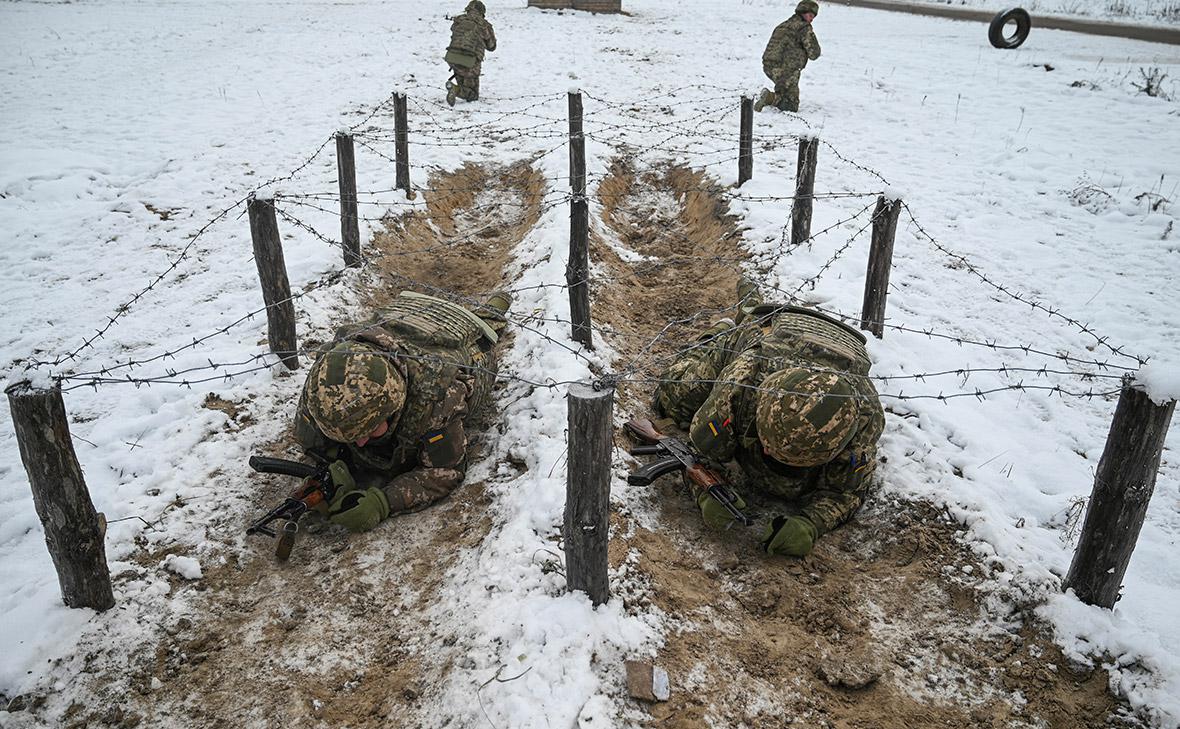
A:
<point x="127" y="128"/>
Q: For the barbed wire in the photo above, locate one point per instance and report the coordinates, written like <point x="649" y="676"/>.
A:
<point x="1052" y="312"/>
<point x="126" y="306"/>
<point x="813" y="280"/>
<point x="691" y="127"/>
<point x="173" y="377"/>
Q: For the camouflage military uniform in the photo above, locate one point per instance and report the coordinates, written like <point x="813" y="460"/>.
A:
<point x="713" y="391"/>
<point x="445" y="354"/>
<point x="471" y="35"/>
<point x="792" y="45"/>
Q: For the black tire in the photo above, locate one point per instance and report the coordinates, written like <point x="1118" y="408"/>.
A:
<point x="995" y="31"/>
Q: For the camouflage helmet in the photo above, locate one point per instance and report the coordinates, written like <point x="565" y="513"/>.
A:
<point x="351" y="389"/>
<point x="805" y="418"/>
<point x="477" y="6"/>
<point x="807" y="6"/>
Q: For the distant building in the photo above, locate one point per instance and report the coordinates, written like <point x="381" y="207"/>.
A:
<point x="594" y="6"/>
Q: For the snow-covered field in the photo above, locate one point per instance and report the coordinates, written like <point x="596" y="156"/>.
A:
<point x="125" y="128"/>
<point x="1145" y="12"/>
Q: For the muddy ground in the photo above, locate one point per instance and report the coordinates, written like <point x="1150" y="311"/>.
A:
<point x="880" y="627"/>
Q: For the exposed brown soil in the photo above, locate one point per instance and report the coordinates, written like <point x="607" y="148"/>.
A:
<point x="875" y="628"/>
<point x="321" y="640"/>
<point x="677" y="225"/>
<point x="464" y="237"/>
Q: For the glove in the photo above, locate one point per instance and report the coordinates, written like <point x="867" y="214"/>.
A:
<point x="790" y="535"/>
<point x="359" y="511"/>
<point x="717" y="516"/>
<point x="356" y="510"/>
<point x="342" y="481"/>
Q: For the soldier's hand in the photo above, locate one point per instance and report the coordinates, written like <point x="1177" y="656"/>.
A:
<point x="716" y="516"/>
<point x="359" y="511"/>
<point x="793" y="536"/>
<point x="342" y="482"/>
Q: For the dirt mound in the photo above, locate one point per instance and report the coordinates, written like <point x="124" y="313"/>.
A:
<point x="878" y="628"/>
<point x="671" y="251"/>
<point x="461" y="241"/>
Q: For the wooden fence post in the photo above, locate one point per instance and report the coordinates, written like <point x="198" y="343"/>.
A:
<point x="272" y="272"/>
<point x="350" y="233"/>
<point x="872" y="316"/>
<point x="401" y="135"/>
<point x="1123" y="486"/>
<point x="577" y="270"/>
<point x="804" y="190"/>
<point x="746" y="142"/>
<point x="587" y="496"/>
<point x="73" y="530"/>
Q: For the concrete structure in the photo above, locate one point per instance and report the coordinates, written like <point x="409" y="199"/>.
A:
<point x="594" y="6"/>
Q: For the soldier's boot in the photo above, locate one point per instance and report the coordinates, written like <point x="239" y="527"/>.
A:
<point x="452" y="93"/>
<point x="766" y="98"/>
<point x="749" y="296"/>
<point x="494" y="310"/>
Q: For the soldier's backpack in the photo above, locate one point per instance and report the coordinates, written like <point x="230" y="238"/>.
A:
<point x="466" y="41"/>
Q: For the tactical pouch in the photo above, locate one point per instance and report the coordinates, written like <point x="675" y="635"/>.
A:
<point x="459" y="58"/>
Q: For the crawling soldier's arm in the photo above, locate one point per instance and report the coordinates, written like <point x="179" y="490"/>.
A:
<point x="442" y="456"/>
<point x="712" y="430"/>
<point x="846" y="477"/>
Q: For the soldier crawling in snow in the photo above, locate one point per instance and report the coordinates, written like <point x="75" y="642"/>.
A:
<point x="388" y="402"/>
<point x="791" y="45"/>
<point x="785" y="392"/>
<point x="471" y="35"/>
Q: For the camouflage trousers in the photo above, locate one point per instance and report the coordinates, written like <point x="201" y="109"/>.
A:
<point x="467" y="81"/>
<point x="786" y="89"/>
<point x="689" y="380"/>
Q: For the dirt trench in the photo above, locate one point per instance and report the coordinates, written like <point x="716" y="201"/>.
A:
<point x="332" y="637"/>
<point x="880" y="626"/>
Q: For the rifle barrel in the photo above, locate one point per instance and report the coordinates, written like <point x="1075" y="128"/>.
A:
<point x="265" y="464"/>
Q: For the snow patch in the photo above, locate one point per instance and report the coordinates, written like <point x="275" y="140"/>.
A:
<point x="1160" y="380"/>
<point x="187" y="567"/>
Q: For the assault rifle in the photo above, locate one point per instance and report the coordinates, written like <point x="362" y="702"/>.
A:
<point x="315" y="489"/>
<point x="678" y="456"/>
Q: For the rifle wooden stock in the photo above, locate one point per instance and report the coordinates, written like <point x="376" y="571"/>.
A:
<point x="643" y="429"/>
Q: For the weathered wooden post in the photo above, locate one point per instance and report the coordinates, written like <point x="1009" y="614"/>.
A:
<point x="73" y="530"/>
<point x="804" y="190"/>
<point x="587" y="496"/>
<point x="872" y="316"/>
<point x="577" y="270"/>
<point x="1123" y="486"/>
<point x="746" y="142"/>
<point x="401" y="136"/>
<point x="272" y="272"/>
<point x="350" y="233"/>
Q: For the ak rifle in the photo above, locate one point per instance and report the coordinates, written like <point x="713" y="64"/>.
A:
<point x="679" y="456"/>
<point x="316" y="488"/>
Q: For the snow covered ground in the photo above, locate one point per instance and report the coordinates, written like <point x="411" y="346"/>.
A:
<point x="1146" y="12"/>
<point x="126" y="128"/>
